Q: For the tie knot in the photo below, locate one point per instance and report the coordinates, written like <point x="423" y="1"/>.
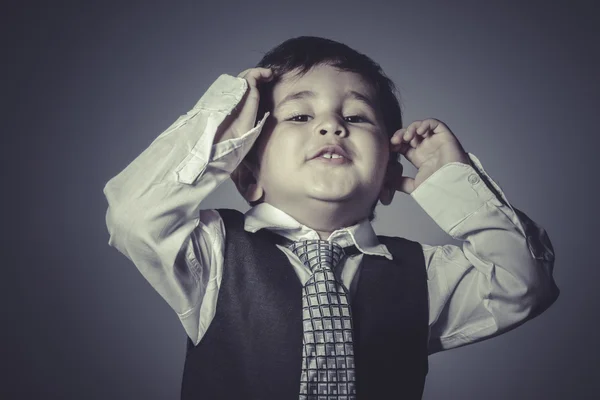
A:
<point x="315" y="253"/>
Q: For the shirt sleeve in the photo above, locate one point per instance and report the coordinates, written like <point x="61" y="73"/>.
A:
<point x="154" y="216"/>
<point x="501" y="275"/>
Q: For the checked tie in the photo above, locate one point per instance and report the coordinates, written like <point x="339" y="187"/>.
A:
<point x="327" y="348"/>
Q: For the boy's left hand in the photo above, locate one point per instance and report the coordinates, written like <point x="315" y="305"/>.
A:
<point x="428" y="145"/>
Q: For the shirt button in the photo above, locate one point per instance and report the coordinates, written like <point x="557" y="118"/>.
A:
<point x="473" y="179"/>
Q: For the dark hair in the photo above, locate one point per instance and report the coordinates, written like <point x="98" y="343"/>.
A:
<point x="302" y="53"/>
<point x="305" y="52"/>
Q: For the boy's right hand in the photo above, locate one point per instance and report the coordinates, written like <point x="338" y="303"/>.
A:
<point x="243" y="117"/>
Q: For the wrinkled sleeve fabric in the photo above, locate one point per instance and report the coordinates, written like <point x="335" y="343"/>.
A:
<point x="501" y="275"/>
<point x="154" y="215"/>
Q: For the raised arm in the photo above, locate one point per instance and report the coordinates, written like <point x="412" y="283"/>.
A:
<point x="500" y="277"/>
<point x="154" y="215"/>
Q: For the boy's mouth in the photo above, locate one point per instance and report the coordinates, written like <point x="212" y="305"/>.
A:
<point x="331" y="160"/>
<point x="331" y="154"/>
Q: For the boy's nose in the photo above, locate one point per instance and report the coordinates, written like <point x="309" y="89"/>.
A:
<point x="324" y="131"/>
<point x="332" y="126"/>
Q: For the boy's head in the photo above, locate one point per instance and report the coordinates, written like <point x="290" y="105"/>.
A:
<point x="323" y="93"/>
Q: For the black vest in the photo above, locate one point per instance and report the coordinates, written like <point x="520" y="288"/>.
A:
<point x="253" y="347"/>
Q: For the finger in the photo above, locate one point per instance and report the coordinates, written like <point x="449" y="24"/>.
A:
<point x="407" y="151"/>
<point x="416" y="141"/>
<point x="414" y="125"/>
<point x="396" y="139"/>
<point x="257" y="70"/>
<point x="398" y="148"/>
<point x="243" y="73"/>
<point x="412" y="135"/>
<point x="250" y="103"/>
<point x="427" y="125"/>
<point x="243" y="117"/>
<point x="423" y="129"/>
<point x="407" y="185"/>
<point x="411" y="130"/>
<point x="408" y="134"/>
<point x="399" y="145"/>
<point x="404" y="184"/>
<point x="256" y="75"/>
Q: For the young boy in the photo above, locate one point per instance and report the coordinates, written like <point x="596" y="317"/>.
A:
<point x="310" y="138"/>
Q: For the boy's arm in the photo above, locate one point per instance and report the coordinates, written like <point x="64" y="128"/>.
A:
<point x="502" y="275"/>
<point x="154" y="216"/>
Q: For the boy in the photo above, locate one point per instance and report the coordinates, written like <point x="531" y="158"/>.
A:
<point x="298" y="298"/>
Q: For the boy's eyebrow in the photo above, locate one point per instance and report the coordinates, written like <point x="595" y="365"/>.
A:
<point x="361" y="97"/>
<point x="309" y="93"/>
<point x="296" y="96"/>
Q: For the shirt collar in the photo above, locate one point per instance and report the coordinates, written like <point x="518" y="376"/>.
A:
<point x="361" y="235"/>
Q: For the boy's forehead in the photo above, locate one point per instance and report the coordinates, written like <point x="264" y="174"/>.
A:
<point x="323" y="79"/>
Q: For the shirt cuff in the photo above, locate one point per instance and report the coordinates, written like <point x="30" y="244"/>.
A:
<point x="223" y="95"/>
<point x="218" y="101"/>
<point x="237" y="147"/>
<point x="454" y="192"/>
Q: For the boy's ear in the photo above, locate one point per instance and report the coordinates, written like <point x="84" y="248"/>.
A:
<point x="245" y="179"/>
<point x="392" y="175"/>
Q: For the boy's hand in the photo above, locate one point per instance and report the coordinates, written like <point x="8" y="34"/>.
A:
<point x="243" y="117"/>
<point x="428" y="145"/>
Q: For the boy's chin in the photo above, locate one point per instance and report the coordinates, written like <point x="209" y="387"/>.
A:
<point x="350" y="203"/>
<point x="333" y="196"/>
<point x="334" y="191"/>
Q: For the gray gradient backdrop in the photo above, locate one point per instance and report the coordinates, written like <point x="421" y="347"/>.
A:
<point x="88" y="87"/>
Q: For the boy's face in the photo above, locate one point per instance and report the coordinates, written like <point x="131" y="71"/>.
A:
<point x="324" y="107"/>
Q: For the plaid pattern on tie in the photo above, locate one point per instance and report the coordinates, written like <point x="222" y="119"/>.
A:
<point x="327" y="348"/>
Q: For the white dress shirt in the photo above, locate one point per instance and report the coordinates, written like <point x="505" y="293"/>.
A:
<point x="500" y="277"/>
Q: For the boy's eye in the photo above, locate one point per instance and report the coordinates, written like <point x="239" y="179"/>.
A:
<point x="356" y="119"/>
<point x="299" y="118"/>
<point x="352" y="119"/>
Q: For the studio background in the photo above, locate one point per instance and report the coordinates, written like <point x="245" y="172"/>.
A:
<point x="87" y="87"/>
